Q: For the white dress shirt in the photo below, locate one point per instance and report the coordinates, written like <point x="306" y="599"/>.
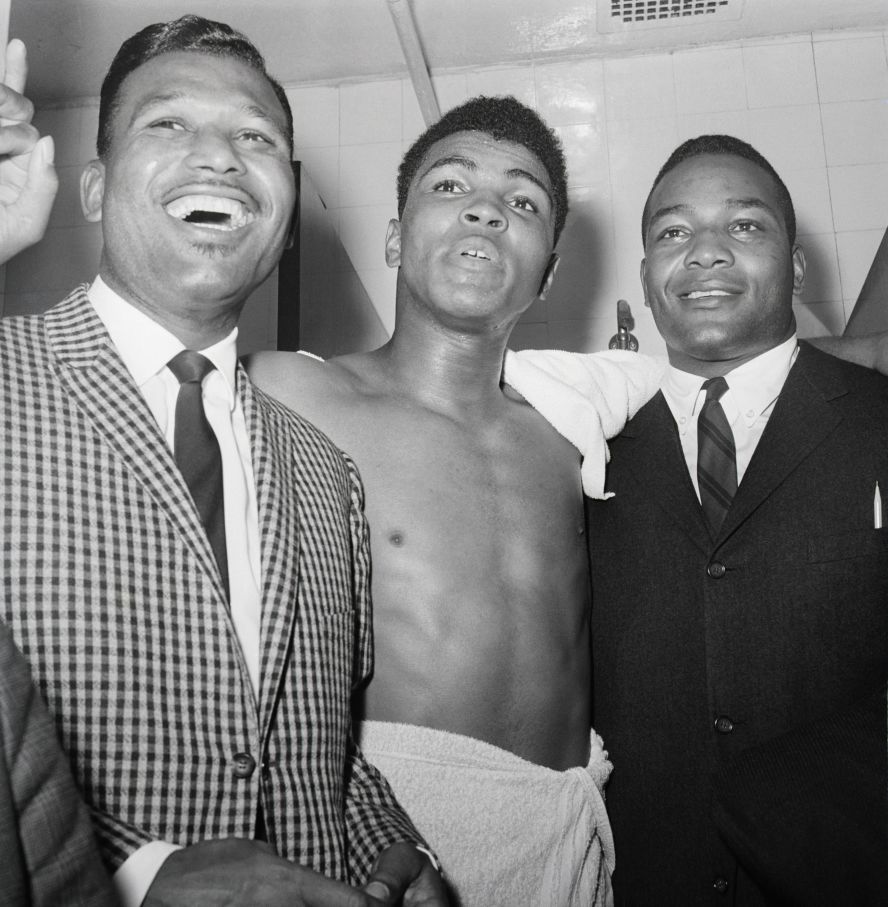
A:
<point x="146" y="347"/>
<point x="753" y="389"/>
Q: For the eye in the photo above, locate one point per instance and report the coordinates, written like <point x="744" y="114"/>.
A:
<point x="673" y="233"/>
<point x="744" y="226"/>
<point x="254" y="136"/>
<point x="166" y="124"/>
<point x="447" y="186"/>
<point x="524" y="203"/>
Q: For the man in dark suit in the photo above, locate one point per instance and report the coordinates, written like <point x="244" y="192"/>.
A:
<point x="740" y="619"/>
<point x="49" y="853"/>
<point x="199" y="659"/>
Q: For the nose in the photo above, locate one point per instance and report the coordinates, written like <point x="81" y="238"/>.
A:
<point x="213" y="150"/>
<point x="709" y="249"/>
<point x="481" y="209"/>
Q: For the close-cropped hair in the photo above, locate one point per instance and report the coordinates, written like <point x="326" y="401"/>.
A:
<point x="504" y="119"/>
<point x="724" y="144"/>
<point x="187" y="33"/>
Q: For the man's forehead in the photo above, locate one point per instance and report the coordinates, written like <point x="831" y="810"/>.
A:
<point x="718" y="176"/>
<point x="474" y="148"/>
<point x="181" y="72"/>
<point x="194" y="76"/>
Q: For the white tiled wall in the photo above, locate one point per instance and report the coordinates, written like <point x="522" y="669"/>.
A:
<point x="816" y="105"/>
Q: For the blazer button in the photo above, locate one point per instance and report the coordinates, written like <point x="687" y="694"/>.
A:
<point x="720" y="885"/>
<point x="716" y="570"/>
<point x="724" y="725"/>
<point x="244" y="765"/>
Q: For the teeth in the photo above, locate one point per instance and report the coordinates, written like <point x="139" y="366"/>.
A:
<point x="211" y="211"/>
<point x="474" y="253"/>
<point x="702" y="294"/>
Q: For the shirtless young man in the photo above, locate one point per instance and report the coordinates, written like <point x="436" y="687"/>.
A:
<point x="480" y="572"/>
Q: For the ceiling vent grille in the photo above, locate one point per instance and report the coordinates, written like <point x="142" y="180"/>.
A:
<point x="617" y="15"/>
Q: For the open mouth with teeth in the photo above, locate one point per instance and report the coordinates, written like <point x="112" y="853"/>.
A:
<point x="211" y="211"/>
<point x="475" y="253"/>
<point x="705" y="294"/>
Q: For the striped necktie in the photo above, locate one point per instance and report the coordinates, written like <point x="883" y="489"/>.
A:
<point x="716" y="456"/>
<point x="197" y="452"/>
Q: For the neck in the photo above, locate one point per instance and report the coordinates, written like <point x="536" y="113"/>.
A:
<point x="713" y="368"/>
<point x="444" y="366"/>
<point x="197" y="323"/>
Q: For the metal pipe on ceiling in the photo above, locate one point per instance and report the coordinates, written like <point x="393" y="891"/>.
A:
<point x="405" y="25"/>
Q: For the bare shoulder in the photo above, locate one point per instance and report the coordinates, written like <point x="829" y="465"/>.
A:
<point x="296" y="379"/>
<point x="323" y="391"/>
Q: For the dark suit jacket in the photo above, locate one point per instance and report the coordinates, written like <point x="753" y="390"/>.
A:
<point x="110" y="586"/>
<point x="50" y="858"/>
<point x="704" y="648"/>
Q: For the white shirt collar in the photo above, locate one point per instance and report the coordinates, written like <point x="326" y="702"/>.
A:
<point x="755" y="385"/>
<point x="146" y="346"/>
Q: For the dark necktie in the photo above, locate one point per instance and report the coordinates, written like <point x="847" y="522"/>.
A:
<point x="197" y="453"/>
<point x="716" y="456"/>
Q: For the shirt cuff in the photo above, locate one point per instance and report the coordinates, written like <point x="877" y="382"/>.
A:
<point x="432" y="858"/>
<point x="135" y="875"/>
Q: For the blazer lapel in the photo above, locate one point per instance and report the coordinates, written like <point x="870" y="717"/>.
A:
<point x="801" y="420"/>
<point x="271" y="439"/>
<point x="652" y="451"/>
<point x="99" y="382"/>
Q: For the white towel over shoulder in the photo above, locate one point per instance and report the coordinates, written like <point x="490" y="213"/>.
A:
<point x="588" y="397"/>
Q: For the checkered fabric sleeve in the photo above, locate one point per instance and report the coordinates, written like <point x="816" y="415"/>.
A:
<point x="374" y="819"/>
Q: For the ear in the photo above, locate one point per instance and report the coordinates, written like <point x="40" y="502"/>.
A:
<point x="293" y="227"/>
<point x="92" y="191"/>
<point x="393" y="244"/>
<point x="549" y="275"/>
<point x="643" y="276"/>
<point x="799" y="266"/>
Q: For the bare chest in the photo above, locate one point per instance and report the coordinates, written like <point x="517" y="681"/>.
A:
<point x="446" y="499"/>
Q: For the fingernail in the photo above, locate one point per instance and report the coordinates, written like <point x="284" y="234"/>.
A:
<point x="46" y="149"/>
<point x="378" y="890"/>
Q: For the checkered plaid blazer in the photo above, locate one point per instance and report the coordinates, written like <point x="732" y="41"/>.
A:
<point x="109" y="584"/>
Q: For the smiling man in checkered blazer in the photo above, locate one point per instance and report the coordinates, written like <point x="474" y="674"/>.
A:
<point x="202" y="691"/>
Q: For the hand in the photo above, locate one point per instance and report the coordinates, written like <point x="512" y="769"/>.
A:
<point x="404" y="875"/>
<point x="28" y="181"/>
<point x="234" y="872"/>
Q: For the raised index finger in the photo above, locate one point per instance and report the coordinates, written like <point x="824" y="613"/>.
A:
<point x="16" y="65"/>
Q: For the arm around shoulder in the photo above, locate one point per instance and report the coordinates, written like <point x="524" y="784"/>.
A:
<point x="587" y="397"/>
<point x="869" y="350"/>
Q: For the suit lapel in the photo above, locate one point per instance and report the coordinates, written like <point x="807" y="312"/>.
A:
<point x="653" y="453"/>
<point x="270" y="434"/>
<point x="98" y="381"/>
<point x="801" y="420"/>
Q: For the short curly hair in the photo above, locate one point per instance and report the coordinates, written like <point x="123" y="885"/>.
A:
<point x="188" y="33"/>
<point x="505" y="119"/>
<point x="724" y="144"/>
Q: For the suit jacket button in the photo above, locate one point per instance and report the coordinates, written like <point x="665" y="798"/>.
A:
<point x="716" y="570"/>
<point x="724" y="725"/>
<point x="720" y="885"/>
<point x="244" y="765"/>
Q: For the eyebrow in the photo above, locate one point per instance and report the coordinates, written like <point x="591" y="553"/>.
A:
<point x="467" y="163"/>
<point x="158" y="100"/>
<point x="751" y="202"/>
